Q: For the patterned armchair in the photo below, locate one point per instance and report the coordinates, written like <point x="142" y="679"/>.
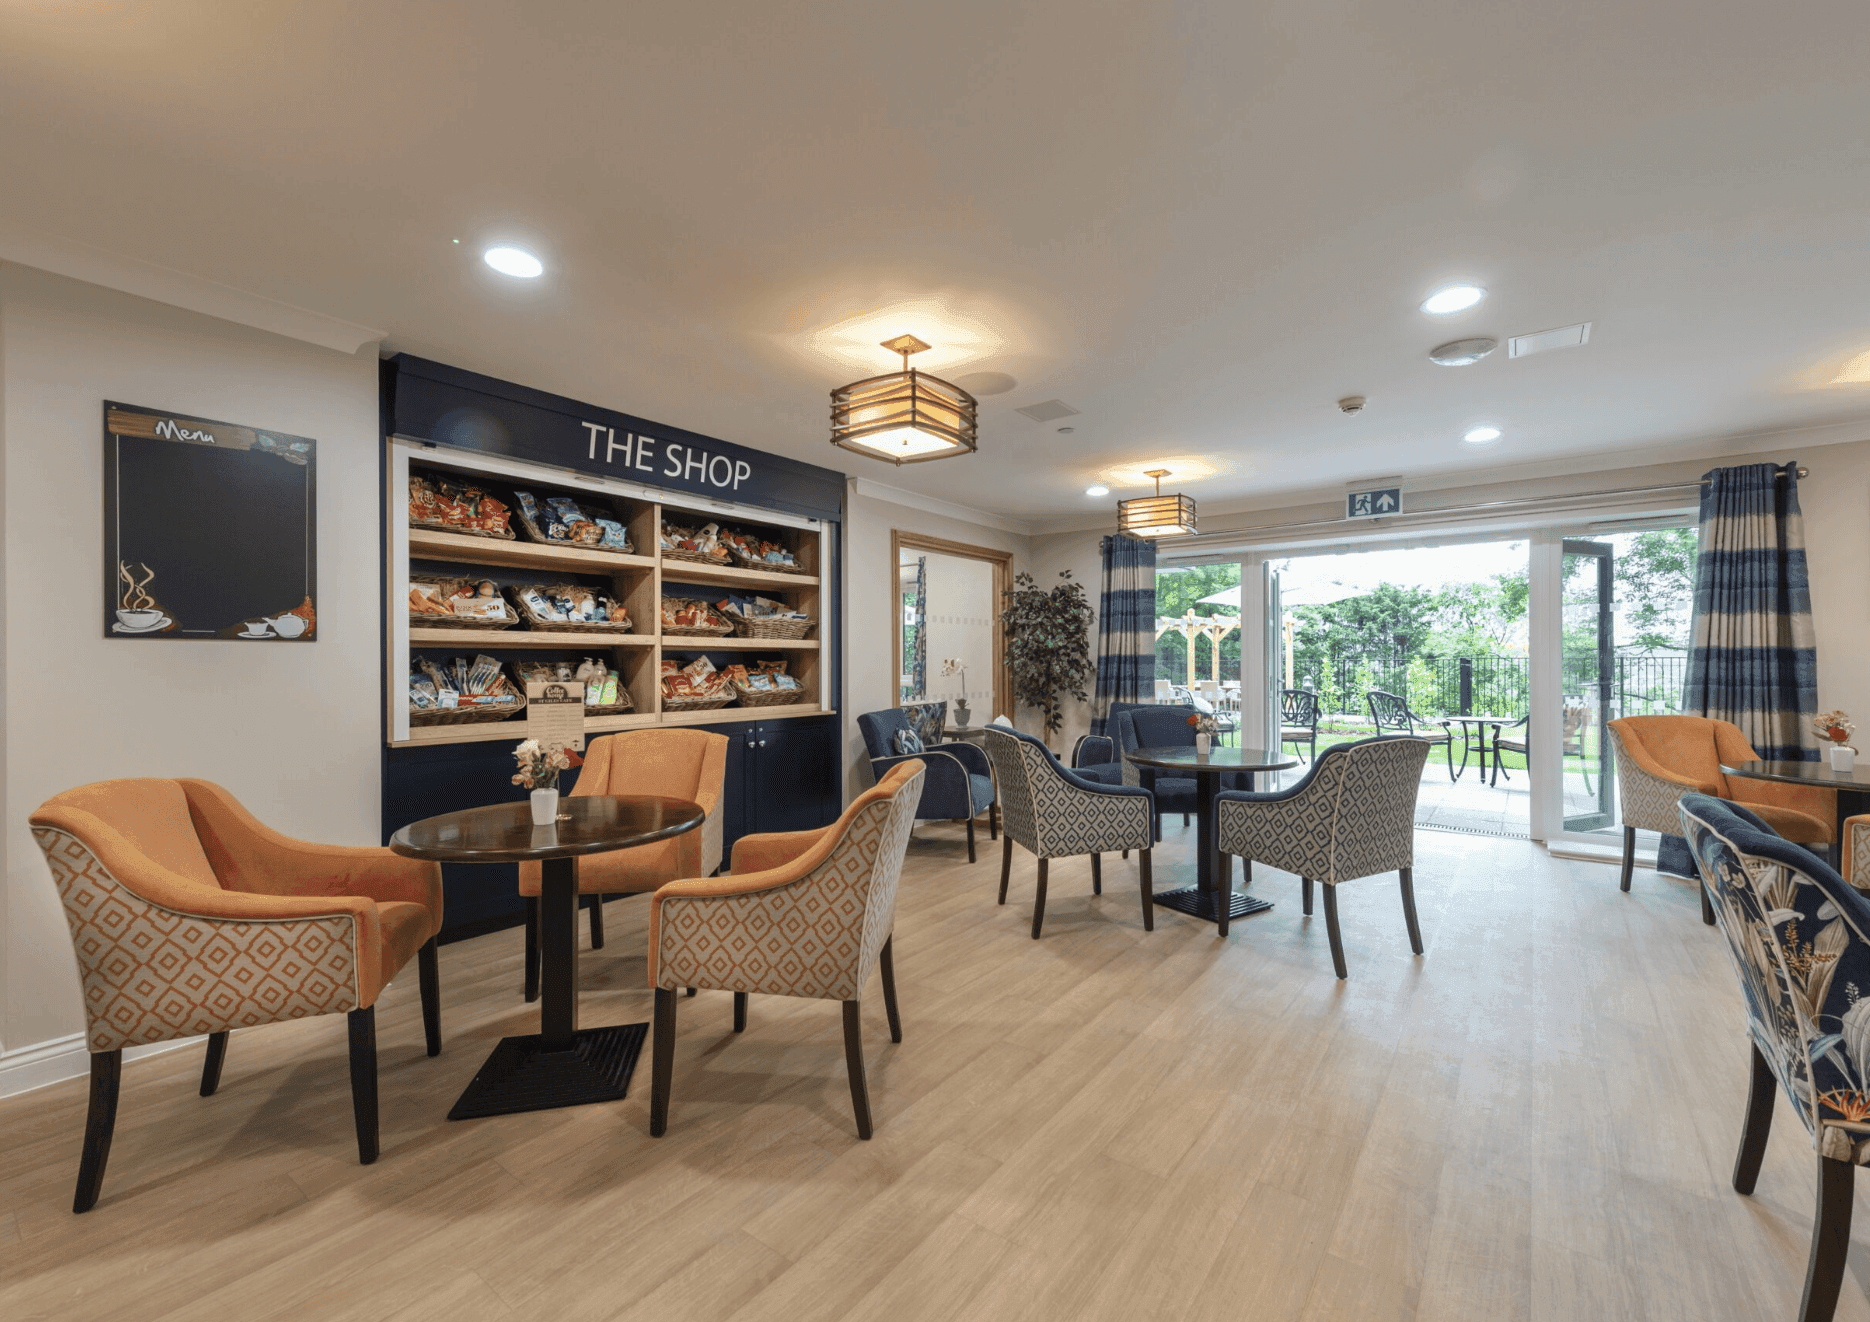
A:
<point x="1800" y="941"/>
<point x="188" y="916"/>
<point x="804" y="913"/>
<point x="959" y="783"/>
<point x="678" y="763"/>
<point x="1056" y="813"/>
<point x="1353" y="815"/>
<point x="1661" y="757"/>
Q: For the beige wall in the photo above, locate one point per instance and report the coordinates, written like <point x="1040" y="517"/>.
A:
<point x="292" y="729"/>
<point x="962" y="621"/>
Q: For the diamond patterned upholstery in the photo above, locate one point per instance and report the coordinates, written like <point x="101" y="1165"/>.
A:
<point x="1056" y="813"/>
<point x="1856" y="854"/>
<point x="1352" y="815"/>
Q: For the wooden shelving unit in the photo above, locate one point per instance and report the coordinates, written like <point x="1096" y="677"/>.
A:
<point x="637" y="580"/>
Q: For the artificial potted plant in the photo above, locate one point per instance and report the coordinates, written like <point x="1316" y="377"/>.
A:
<point x="1048" y="645"/>
<point x="950" y="668"/>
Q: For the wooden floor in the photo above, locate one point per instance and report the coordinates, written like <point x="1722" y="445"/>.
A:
<point x="1537" y="1119"/>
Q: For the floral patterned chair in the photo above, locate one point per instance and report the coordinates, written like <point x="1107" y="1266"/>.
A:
<point x="1056" y="813"/>
<point x="959" y="784"/>
<point x="1800" y="940"/>
<point x="677" y="763"/>
<point x="804" y="913"/>
<point x="1352" y="815"/>
<point x="188" y="917"/>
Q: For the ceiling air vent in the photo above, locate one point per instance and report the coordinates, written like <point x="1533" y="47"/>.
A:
<point x="1565" y="337"/>
<point x="1050" y="411"/>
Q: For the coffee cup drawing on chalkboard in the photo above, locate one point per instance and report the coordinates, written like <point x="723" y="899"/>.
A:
<point x="137" y="610"/>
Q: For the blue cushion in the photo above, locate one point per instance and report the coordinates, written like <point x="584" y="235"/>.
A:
<point x="981" y="790"/>
<point x="906" y="742"/>
<point x="1104" y="773"/>
<point x="927" y="720"/>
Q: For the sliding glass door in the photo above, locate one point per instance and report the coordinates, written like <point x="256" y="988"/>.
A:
<point x="1588" y="669"/>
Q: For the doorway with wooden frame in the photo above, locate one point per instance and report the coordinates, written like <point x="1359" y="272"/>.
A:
<point x="949" y="644"/>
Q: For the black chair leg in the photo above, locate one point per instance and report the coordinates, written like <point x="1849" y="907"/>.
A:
<point x="740" y="1012"/>
<point x="363" y="1025"/>
<point x="1831" y="1239"/>
<point x="1629" y="855"/>
<point x="886" y="965"/>
<point x="1707" y="903"/>
<point x="1305" y="895"/>
<point x="1223" y="890"/>
<point x="1408" y="894"/>
<point x="1006" y="866"/>
<point x="1149" y="892"/>
<point x="211" y="1063"/>
<point x="532" y="948"/>
<point x="662" y="1053"/>
<point x="1454" y="775"/>
<point x="689" y="992"/>
<point x="1761" y="1089"/>
<point x="1097" y="874"/>
<point x="100" y="1123"/>
<point x="597" y="922"/>
<point x="1331" y="926"/>
<point x="854" y="1061"/>
<point x="993" y="821"/>
<point x="1038" y="902"/>
<point x="970" y="839"/>
<point x="1184" y="819"/>
<point x="428" y="970"/>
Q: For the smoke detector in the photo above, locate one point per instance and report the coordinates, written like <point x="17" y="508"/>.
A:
<point x="1459" y="353"/>
<point x="1351" y="404"/>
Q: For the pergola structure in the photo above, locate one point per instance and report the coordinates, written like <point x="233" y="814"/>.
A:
<point x="1213" y="628"/>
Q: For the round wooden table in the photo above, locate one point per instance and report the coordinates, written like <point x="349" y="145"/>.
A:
<point x="1853" y="786"/>
<point x="561" y="1064"/>
<point x="1203" y="900"/>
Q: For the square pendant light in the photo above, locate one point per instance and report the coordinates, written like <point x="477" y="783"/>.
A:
<point x="1157" y="515"/>
<point x="906" y="417"/>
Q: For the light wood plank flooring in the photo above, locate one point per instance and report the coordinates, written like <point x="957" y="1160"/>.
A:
<point x="1535" y="1120"/>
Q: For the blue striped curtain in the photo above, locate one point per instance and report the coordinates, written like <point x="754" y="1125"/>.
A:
<point x="1126" y="626"/>
<point x="919" y="663"/>
<point x="1754" y="660"/>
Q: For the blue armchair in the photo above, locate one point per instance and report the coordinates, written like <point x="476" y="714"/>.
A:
<point x="1351" y="816"/>
<point x="959" y="784"/>
<point x="1157" y="725"/>
<point x="1056" y="813"/>
<point x="1800" y="938"/>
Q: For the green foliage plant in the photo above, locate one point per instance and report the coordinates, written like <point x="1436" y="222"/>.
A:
<point x="1048" y="646"/>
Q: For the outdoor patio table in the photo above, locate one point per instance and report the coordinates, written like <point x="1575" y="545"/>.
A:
<point x="1475" y="728"/>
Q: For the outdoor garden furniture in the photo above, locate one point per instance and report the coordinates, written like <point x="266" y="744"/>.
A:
<point x="959" y="783"/>
<point x="1391" y="714"/>
<point x="1660" y="758"/>
<point x="1577" y="720"/>
<point x="1298" y="719"/>
<point x="1056" y="813"/>
<point x="1777" y="905"/>
<point x="1351" y="816"/>
<point x="804" y="913"/>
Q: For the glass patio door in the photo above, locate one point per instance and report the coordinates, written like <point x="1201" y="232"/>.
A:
<point x="1275" y="661"/>
<point x="1588" y="639"/>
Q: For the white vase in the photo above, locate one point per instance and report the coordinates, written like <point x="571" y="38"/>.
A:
<point x="1843" y="757"/>
<point x="544" y="807"/>
<point x="1204" y="743"/>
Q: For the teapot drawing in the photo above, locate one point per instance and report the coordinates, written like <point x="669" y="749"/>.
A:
<point x="288" y="625"/>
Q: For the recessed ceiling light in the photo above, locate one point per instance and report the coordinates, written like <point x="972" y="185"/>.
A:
<point x="514" y="262"/>
<point x="1099" y="490"/>
<point x="1452" y="298"/>
<point x="1460" y="353"/>
<point x="1482" y="435"/>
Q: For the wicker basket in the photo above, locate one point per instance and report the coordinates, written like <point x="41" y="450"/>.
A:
<point x="696" y="704"/>
<point x="534" y="533"/>
<point x="746" y="561"/>
<point x="508" y="618"/>
<point x="539" y="623"/>
<point x="771" y="628"/>
<point x="624" y="704"/>
<point x="720" y="628"/>
<point x="695" y="558"/>
<point x="767" y="697"/>
<point x="438" y="526"/>
<point x="465" y="715"/>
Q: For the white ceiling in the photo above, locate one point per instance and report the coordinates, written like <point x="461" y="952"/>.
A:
<point x="1199" y="223"/>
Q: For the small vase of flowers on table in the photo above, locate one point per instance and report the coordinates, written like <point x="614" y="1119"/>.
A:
<point x="1205" y="728"/>
<point x="539" y="766"/>
<point x="1834" y="729"/>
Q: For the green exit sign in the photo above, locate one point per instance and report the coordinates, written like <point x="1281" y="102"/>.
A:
<point x="1373" y="504"/>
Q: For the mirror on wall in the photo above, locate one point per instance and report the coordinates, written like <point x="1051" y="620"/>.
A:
<point x="949" y="644"/>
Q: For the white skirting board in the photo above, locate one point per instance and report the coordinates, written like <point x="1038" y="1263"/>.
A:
<point x="63" y="1058"/>
<point x="1645" y="858"/>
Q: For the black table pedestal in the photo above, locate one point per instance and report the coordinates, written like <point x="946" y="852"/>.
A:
<point x="1203" y="899"/>
<point x="559" y="1065"/>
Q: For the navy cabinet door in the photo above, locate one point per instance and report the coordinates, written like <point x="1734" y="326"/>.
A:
<point x="793" y="774"/>
<point x="736" y="812"/>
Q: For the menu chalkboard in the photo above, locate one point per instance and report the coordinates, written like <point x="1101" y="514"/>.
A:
<point x="210" y="529"/>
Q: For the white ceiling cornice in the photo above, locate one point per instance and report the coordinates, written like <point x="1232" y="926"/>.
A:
<point x="132" y="275"/>
<point x="875" y="490"/>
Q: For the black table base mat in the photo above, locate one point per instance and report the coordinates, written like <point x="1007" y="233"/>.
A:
<point x="518" y="1076"/>
<point x="1197" y="903"/>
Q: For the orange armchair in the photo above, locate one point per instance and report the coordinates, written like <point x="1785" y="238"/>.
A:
<point x="188" y="916"/>
<point x="1660" y="758"/>
<point x="805" y="913"/>
<point x="676" y="763"/>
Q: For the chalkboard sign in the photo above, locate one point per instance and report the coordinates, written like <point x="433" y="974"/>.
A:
<point x="209" y="529"/>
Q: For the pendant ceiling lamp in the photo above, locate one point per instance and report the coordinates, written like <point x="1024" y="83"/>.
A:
<point x="906" y="417"/>
<point x="1157" y="515"/>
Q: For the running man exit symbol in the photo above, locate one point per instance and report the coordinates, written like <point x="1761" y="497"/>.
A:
<point x="1374" y="503"/>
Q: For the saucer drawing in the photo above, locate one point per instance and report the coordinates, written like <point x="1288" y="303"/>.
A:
<point x="155" y="626"/>
<point x="248" y="632"/>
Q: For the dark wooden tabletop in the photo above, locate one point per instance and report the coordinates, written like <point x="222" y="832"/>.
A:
<point x="1183" y="757"/>
<point x="1819" y="774"/>
<point x="504" y="833"/>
